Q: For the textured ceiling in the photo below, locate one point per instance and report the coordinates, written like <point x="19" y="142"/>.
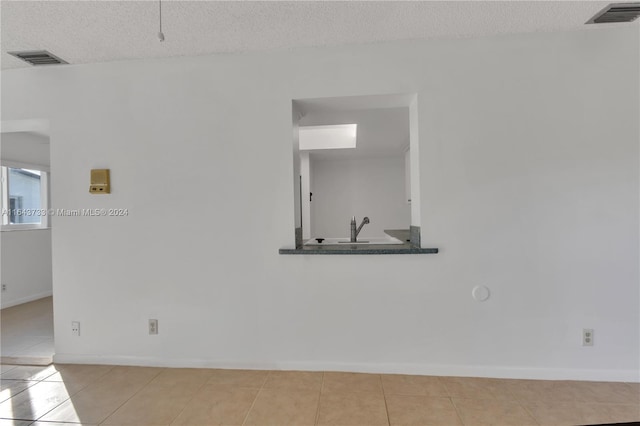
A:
<point x="100" y="31"/>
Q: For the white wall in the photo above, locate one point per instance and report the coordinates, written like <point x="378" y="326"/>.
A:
<point x="372" y="187"/>
<point x="529" y="185"/>
<point x="25" y="256"/>
<point x="25" y="266"/>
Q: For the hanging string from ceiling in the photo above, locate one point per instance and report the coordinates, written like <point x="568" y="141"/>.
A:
<point x="160" y="33"/>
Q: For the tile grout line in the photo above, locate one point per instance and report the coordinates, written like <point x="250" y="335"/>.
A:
<point x="18" y="393"/>
<point x="46" y="377"/>
<point x="450" y="397"/>
<point x="319" y="398"/>
<point x="384" y="396"/>
<point x="38" y="382"/>
<point x="188" y="401"/>
<point x="129" y="399"/>
<point x="78" y="391"/>
<point x="526" y="410"/>
<point x="266" y="376"/>
<point x="455" y="407"/>
<point x="34" y="382"/>
<point x="264" y="381"/>
<point x="63" y="383"/>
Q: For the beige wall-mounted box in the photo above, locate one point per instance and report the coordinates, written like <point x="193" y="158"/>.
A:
<point x="100" y="182"/>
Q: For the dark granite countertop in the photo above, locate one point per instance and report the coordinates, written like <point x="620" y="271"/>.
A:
<point x="401" y="234"/>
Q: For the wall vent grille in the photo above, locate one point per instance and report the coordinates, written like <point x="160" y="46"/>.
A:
<point x="616" y="12"/>
<point x="38" y="57"/>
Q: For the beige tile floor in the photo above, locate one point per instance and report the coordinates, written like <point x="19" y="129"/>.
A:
<point x="26" y="331"/>
<point x="139" y="396"/>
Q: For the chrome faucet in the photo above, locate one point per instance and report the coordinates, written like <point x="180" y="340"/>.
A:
<point x="354" y="231"/>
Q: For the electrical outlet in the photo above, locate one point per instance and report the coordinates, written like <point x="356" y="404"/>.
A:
<point x="587" y="337"/>
<point x="4" y="287"/>
<point x="153" y="326"/>
<point x="75" y="328"/>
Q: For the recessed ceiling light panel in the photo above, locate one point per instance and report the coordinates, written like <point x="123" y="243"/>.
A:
<point x="38" y="57"/>
<point x="335" y="136"/>
<point x="616" y="12"/>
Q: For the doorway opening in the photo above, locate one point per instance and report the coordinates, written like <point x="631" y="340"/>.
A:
<point x="26" y="299"/>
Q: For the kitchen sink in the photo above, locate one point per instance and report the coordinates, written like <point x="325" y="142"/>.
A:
<point x="346" y="241"/>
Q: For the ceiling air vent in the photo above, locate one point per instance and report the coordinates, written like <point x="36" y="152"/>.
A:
<point x="38" y="57"/>
<point x="616" y="12"/>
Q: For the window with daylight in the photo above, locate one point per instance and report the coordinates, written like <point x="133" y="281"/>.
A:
<point x="24" y="200"/>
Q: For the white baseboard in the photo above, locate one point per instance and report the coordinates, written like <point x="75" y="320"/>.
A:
<point x="383" y="368"/>
<point x="25" y="299"/>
